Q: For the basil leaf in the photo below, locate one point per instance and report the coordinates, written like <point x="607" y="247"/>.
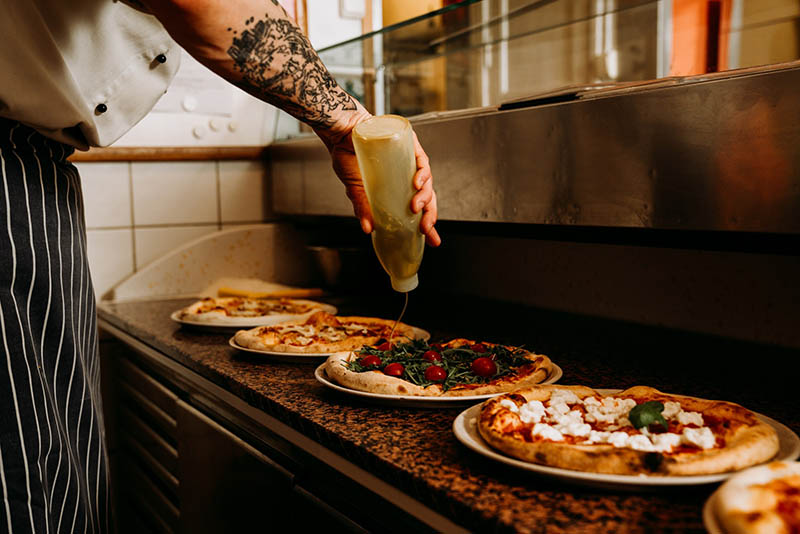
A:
<point x="647" y="413"/>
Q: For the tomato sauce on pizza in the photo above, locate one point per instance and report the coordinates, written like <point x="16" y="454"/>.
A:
<point x="322" y="333"/>
<point x="637" y="431"/>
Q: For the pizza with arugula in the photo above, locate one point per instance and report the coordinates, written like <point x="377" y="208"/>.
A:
<point x="460" y="367"/>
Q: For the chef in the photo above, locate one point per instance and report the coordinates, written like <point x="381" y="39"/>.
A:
<point x="79" y="74"/>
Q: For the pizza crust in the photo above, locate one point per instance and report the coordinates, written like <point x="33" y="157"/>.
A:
<point x="216" y="316"/>
<point x="377" y="382"/>
<point x="748" y="502"/>
<point x="750" y="443"/>
<point x="268" y="339"/>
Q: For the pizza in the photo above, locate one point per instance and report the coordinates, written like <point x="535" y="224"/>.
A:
<point x="458" y="368"/>
<point x="324" y="333"/>
<point x="246" y="311"/>
<point x="637" y="431"/>
<point x="760" y="500"/>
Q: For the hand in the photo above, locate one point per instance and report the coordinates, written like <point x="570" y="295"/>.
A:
<point x="345" y="165"/>
<point x="425" y="198"/>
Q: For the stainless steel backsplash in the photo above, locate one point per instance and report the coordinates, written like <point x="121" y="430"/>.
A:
<point x="716" y="155"/>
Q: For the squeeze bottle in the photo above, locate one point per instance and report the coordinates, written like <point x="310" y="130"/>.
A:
<point x="385" y="152"/>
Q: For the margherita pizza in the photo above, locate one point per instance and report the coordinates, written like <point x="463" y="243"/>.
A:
<point x="323" y="333"/>
<point x="246" y="311"/>
<point x="637" y="431"/>
<point x="458" y="368"/>
<point x="760" y="500"/>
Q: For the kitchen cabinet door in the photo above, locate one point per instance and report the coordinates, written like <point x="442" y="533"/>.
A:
<point x="226" y="484"/>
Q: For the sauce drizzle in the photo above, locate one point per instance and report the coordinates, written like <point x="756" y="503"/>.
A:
<point x="405" y="305"/>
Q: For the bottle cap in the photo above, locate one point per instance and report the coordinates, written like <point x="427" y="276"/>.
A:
<point x="404" y="285"/>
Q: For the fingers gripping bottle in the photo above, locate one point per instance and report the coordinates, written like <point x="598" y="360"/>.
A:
<point x="385" y="150"/>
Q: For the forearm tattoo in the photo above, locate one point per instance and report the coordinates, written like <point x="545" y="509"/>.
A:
<point x="278" y="64"/>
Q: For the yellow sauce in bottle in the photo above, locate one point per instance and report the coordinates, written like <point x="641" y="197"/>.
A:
<point x="385" y="151"/>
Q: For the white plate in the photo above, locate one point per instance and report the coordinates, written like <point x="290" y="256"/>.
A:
<point x="413" y="401"/>
<point x="466" y="432"/>
<point x="281" y="356"/>
<point x="249" y="322"/>
<point x="709" y="519"/>
<point x="419" y="333"/>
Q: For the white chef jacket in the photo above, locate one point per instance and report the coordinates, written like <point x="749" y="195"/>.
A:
<point x="82" y="72"/>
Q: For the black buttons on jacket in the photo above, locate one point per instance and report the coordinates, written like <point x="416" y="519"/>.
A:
<point x="102" y="108"/>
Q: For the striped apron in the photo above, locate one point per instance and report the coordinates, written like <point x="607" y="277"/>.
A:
<point x="53" y="464"/>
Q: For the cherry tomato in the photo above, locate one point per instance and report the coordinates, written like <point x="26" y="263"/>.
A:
<point x="384" y="346"/>
<point x="369" y="361"/>
<point x="484" y="366"/>
<point x="437" y="347"/>
<point x="434" y="373"/>
<point x="432" y="356"/>
<point x="394" y="369"/>
<point x="479" y="347"/>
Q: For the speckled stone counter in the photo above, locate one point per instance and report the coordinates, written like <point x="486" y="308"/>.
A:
<point x="415" y="449"/>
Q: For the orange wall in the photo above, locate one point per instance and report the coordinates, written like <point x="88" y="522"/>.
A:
<point x="395" y="11"/>
<point x="689" y="34"/>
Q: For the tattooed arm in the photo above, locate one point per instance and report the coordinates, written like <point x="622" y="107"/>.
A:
<point x="253" y="44"/>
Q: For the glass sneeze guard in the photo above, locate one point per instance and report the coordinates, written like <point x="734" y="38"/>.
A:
<point x="484" y="53"/>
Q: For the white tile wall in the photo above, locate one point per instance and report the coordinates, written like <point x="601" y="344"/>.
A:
<point x="242" y="191"/>
<point x="138" y="211"/>
<point x="107" y="194"/>
<point x="110" y="257"/>
<point x="181" y="192"/>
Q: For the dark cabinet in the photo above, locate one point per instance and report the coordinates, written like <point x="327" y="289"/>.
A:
<point x="184" y="462"/>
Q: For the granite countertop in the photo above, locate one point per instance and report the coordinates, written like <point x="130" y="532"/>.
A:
<point x="415" y="449"/>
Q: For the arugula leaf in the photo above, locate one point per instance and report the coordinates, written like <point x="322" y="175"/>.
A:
<point x="647" y="413"/>
<point x="456" y="361"/>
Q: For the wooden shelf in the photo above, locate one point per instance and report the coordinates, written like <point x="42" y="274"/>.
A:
<point x="170" y="153"/>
